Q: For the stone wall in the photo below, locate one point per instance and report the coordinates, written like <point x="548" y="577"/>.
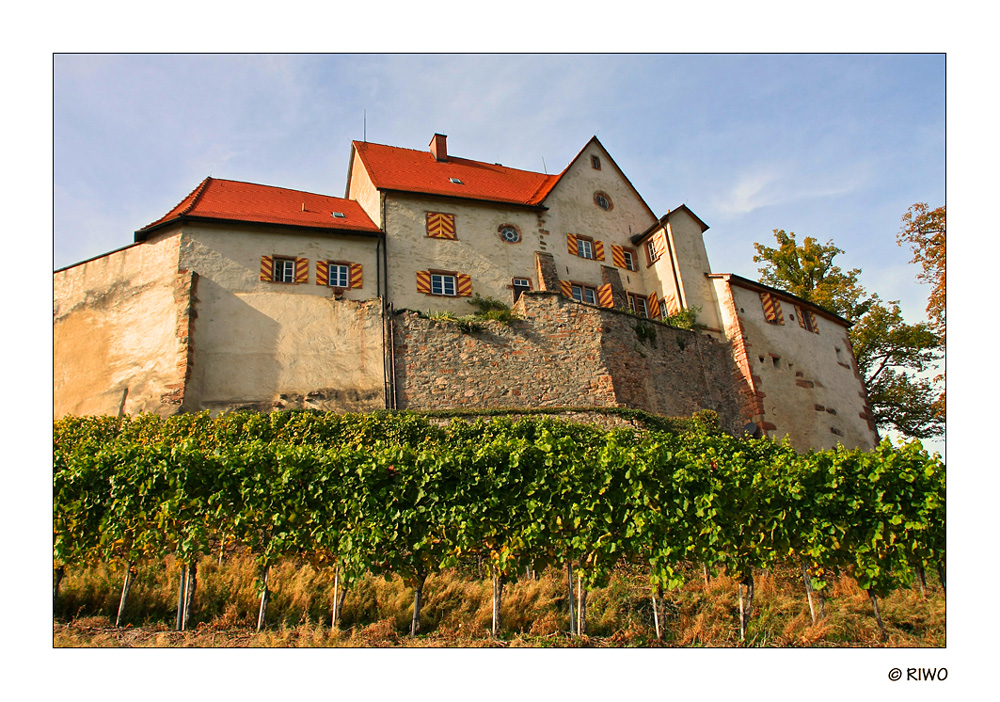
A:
<point x="562" y="354"/>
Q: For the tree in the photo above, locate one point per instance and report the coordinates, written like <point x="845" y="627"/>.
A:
<point x="891" y="354"/>
<point x="924" y="230"/>
<point x="808" y="272"/>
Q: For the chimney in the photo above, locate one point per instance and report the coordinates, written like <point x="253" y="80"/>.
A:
<point x="439" y="147"/>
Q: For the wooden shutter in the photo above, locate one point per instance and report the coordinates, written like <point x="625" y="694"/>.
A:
<point x="267" y="268"/>
<point x="566" y="287"/>
<point x="654" y="306"/>
<point x="322" y="272"/>
<point x="464" y="285"/>
<point x="772" y="308"/>
<point x="302" y="270"/>
<point x="812" y="321"/>
<point x="659" y="242"/>
<point x="423" y="282"/>
<point x="618" y="256"/>
<point x="598" y="250"/>
<point x="605" y="298"/>
<point x="571" y="242"/>
<point x="441" y="225"/>
<point x="356" y="275"/>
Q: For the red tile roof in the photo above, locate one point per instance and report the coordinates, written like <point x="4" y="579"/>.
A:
<point x="232" y="200"/>
<point x="409" y="170"/>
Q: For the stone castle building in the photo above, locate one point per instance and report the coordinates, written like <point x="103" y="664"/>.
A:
<point x="254" y="296"/>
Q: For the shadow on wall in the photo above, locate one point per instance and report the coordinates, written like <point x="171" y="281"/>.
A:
<point x="235" y="353"/>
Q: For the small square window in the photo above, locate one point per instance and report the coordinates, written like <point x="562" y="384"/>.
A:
<point x="595" y="162"/>
<point x="637" y="304"/>
<point x="581" y="293"/>
<point x="339" y="276"/>
<point x="284" y="270"/>
<point x="443" y="284"/>
<point x="520" y="285"/>
<point x="584" y="248"/>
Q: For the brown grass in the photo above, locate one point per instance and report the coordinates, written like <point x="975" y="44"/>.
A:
<point x="457" y="611"/>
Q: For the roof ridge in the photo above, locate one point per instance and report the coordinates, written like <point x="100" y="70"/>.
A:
<point x="455" y="158"/>
<point x="199" y="192"/>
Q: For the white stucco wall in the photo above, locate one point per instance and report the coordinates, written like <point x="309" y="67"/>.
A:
<point x="808" y="380"/>
<point x="115" y="331"/>
<point x="572" y="210"/>
<point x="279" y="345"/>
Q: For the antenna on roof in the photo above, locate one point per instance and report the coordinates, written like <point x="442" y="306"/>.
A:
<point x="364" y="125"/>
<point x="543" y="166"/>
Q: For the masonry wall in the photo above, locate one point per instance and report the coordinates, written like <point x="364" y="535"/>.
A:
<point x="121" y="326"/>
<point x="563" y="353"/>
<point x="802" y="384"/>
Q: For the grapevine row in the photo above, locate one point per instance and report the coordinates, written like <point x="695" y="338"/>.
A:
<point x="393" y="493"/>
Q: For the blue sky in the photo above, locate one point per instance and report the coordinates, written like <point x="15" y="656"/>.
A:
<point x="829" y="146"/>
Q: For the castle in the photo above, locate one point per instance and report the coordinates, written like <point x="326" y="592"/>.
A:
<point x="248" y="296"/>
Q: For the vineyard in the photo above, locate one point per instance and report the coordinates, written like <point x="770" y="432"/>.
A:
<point x="408" y="499"/>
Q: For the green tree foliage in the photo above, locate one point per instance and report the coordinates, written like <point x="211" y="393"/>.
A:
<point x="891" y="354"/>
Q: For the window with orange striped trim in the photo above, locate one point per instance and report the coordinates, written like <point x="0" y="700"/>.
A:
<point x="284" y="269"/>
<point x="339" y="274"/>
<point x="445" y="284"/>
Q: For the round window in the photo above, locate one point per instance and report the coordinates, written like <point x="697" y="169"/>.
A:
<point x="603" y="201"/>
<point x="510" y="234"/>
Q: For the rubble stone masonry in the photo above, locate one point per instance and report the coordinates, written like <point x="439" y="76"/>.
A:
<point x="562" y="353"/>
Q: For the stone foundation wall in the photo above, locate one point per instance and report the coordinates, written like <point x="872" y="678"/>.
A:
<point x="561" y="354"/>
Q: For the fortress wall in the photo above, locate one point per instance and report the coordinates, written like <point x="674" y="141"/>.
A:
<point x="561" y="354"/>
<point x="120" y="332"/>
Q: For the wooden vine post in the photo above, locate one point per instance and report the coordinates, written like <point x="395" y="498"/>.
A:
<point x="747" y="608"/>
<point x="418" y="594"/>
<point x="569" y="581"/>
<point x="126" y="586"/>
<point x="497" y="594"/>
<point x="581" y="607"/>
<point x="190" y="585"/>
<point x="265" y="595"/>
<point x="809" y="591"/>
<point x="878" y="617"/>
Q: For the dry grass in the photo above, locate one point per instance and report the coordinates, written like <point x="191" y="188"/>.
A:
<point x="457" y="611"/>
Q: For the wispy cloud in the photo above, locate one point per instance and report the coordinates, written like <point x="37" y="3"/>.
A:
<point x="784" y="184"/>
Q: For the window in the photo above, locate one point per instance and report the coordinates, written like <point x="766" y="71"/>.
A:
<point x="652" y="250"/>
<point x="629" y="259"/>
<point x="663" y="309"/>
<point x="339" y="275"/>
<point x="584" y="248"/>
<point x="603" y="200"/>
<point x="443" y="284"/>
<point x="509" y="233"/>
<point x="284" y="270"/>
<point x="582" y="293"/>
<point x="595" y="162"/>
<point x="520" y="285"/>
<point x="637" y="304"/>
